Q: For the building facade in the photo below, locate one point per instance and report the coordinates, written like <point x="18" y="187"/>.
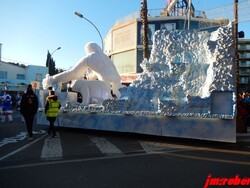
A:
<point x="244" y="64"/>
<point x="14" y="77"/>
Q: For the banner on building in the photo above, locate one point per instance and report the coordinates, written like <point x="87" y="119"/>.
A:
<point x="35" y="84"/>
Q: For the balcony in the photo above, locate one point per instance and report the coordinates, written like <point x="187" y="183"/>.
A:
<point x="245" y="72"/>
<point x="244" y="55"/>
<point x="245" y="64"/>
<point x="244" y="80"/>
<point x="243" y="46"/>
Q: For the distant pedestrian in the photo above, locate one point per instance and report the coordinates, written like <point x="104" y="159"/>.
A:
<point x="246" y="105"/>
<point x="28" y="108"/>
<point x="18" y="100"/>
<point x="51" y="111"/>
<point x="6" y="111"/>
<point x="1" y="106"/>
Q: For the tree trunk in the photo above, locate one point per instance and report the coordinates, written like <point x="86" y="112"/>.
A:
<point x="144" y="18"/>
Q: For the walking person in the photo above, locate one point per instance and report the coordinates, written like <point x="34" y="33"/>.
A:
<point x="28" y="109"/>
<point x="246" y="105"/>
<point x="7" y="112"/>
<point x="51" y="111"/>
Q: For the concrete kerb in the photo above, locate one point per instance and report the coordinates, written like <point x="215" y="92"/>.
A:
<point x="243" y="137"/>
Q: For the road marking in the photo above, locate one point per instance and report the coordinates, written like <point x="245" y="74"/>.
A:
<point x="163" y="153"/>
<point x="165" y="150"/>
<point x="206" y="159"/>
<point x="172" y="154"/>
<point x="18" y="137"/>
<point x="39" y="132"/>
<point x="52" y="148"/>
<point x="77" y="160"/>
<point x="104" y="145"/>
<point x="22" y="148"/>
<point x="157" y="145"/>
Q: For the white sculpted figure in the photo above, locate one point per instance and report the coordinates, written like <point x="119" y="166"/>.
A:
<point x="97" y="61"/>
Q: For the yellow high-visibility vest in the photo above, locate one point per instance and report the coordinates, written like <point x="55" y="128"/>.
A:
<point x="53" y="108"/>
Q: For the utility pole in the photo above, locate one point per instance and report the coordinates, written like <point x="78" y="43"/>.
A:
<point x="236" y="44"/>
<point x="144" y="18"/>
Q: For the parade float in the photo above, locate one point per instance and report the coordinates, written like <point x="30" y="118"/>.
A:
<point x="186" y="90"/>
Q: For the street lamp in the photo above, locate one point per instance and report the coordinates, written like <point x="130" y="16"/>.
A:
<point x="55" y="50"/>
<point x="81" y="16"/>
<point x="51" y="56"/>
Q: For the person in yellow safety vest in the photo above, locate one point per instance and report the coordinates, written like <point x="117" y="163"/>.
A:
<point x="52" y="106"/>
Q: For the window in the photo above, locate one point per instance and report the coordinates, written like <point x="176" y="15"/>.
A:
<point x="245" y="63"/>
<point x="168" y="26"/>
<point x="39" y="77"/>
<point x="244" y="46"/>
<point x="151" y="30"/>
<point x="244" y="80"/>
<point x="244" y="55"/>
<point x="3" y="75"/>
<point x="20" y="76"/>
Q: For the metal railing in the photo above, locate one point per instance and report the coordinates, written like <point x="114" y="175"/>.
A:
<point x="154" y="13"/>
<point x="225" y="12"/>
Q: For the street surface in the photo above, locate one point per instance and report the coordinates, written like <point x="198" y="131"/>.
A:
<point x="93" y="159"/>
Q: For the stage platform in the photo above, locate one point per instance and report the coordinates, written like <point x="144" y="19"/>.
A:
<point x="202" y="128"/>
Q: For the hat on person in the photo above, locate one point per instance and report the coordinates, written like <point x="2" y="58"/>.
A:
<point x="29" y="87"/>
<point x="52" y="92"/>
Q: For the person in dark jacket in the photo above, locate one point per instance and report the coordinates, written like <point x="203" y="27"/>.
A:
<point x="51" y="111"/>
<point x="28" y="108"/>
<point x="246" y="106"/>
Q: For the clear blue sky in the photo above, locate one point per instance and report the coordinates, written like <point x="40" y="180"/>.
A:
<point x="29" y="28"/>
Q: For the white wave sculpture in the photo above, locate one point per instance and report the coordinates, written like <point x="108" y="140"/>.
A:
<point x="184" y="69"/>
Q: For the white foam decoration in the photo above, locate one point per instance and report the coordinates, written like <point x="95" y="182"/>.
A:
<point x="184" y="65"/>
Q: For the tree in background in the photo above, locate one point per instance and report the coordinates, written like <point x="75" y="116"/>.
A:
<point x="50" y="63"/>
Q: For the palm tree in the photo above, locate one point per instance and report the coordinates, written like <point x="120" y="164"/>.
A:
<point x="144" y="18"/>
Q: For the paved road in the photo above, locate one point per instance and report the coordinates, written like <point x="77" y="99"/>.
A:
<point x="81" y="158"/>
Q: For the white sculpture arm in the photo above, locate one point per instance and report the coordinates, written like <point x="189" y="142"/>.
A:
<point x="95" y="60"/>
<point x="73" y="73"/>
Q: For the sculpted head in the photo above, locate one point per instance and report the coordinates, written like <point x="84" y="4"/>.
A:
<point x="92" y="47"/>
